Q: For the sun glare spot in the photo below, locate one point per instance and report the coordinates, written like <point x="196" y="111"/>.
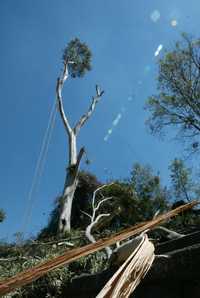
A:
<point x="174" y="23"/>
<point x="157" y="52"/>
<point x="155" y="16"/>
<point x="106" y="138"/>
<point x="116" y="120"/>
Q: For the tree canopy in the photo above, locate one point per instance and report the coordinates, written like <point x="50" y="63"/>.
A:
<point x="78" y="56"/>
<point x="177" y="102"/>
<point x="151" y="195"/>
<point x="183" y="185"/>
<point x="181" y="181"/>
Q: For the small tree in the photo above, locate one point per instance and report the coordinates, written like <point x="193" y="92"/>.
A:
<point x="177" y="103"/>
<point x="185" y="186"/>
<point x="150" y="194"/>
<point x="76" y="62"/>
<point x="182" y="186"/>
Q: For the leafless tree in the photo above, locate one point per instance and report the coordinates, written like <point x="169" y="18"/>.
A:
<point x="94" y="218"/>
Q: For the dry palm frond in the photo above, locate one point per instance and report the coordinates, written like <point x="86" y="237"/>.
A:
<point x="129" y="275"/>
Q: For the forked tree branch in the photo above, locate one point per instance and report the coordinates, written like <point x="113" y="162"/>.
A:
<point x="85" y="117"/>
<point x="94" y="219"/>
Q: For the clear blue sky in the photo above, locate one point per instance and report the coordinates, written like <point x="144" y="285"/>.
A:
<point x="123" y="36"/>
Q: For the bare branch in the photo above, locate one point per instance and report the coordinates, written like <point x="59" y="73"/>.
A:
<point x="88" y="231"/>
<point x="18" y="258"/>
<point x="65" y="243"/>
<point x="156" y="213"/>
<point x="97" y="190"/>
<point x="101" y="202"/>
<point x="95" y="219"/>
<point x="90" y="216"/>
<point x="60" y="83"/>
<point x="99" y="217"/>
<point x="85" y="117"/>
<point x="171" y="234"/>
<point x="39" y="243"/>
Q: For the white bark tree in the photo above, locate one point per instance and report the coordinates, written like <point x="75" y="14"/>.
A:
<point x="74" y="160"/>
<point x="94" y="218"/>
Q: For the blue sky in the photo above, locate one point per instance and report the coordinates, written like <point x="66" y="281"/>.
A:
<point x="123" y="36"/>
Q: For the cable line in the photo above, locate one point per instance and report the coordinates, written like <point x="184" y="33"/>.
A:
<point x="39" y="166"/>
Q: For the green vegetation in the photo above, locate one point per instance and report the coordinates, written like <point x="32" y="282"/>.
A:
<point x="176" y="103"/>
<point x="183" y="186"/>
<point x="16" y="258"/>
<point x="133" y="200"/>
<point x="78" y="55"/>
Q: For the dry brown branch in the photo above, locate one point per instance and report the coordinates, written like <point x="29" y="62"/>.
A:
<point x="28" y="276"/>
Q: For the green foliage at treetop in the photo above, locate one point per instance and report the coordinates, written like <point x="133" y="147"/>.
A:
<point x="78" y="57"/>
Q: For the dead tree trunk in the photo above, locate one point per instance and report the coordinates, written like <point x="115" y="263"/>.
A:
<point x="74" y="160"/>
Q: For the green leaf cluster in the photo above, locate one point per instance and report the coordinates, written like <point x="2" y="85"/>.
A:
<point x="78" y="57"/>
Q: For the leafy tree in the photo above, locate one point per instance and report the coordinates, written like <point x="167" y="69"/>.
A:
<point x="177" y="102"/>
<point x="76" y="62"/>
<point x="151" y="196"/>
<point x="2" y="215"/>
<point x="182" y="185"/>
<point x="183" y="189"/>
